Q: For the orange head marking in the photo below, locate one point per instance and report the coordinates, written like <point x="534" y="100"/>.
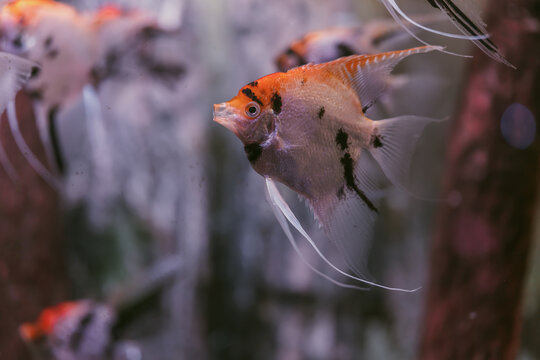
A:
<point x="250" y="114"/>
<point x="46" y="322"/>
<point x="24" y="11"/>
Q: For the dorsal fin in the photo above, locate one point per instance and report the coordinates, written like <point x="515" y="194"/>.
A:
<point x="367" y="74"/>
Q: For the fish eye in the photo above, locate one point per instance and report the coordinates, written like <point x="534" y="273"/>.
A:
<point x="253" y="109"/>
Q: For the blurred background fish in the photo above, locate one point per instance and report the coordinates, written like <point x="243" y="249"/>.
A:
<point x="375" y="36"/>
<point x="77" y="52"/>
<point x="14" y="73"/>
<point x="78" y="330"/>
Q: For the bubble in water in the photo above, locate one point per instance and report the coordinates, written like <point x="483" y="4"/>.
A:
<point x="518" y="126"/>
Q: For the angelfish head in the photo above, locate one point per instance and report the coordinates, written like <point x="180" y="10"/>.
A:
<point x="251" y="115"/>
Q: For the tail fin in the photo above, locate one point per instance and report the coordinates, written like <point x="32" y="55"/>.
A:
<point x="392" y="145"/>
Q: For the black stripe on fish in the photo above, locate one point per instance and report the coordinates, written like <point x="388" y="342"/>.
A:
<point x="253" y="152"/>
<point x="53" y="131"/>
<point x="253" y="84"/>
<point x="252" y="96"/>
<point x="80" y="332"/>
<point x="342" y="139"/>
<point x="322" y="110"/>
<point x="276" y="103"/>
<point x="344" y="50"/>
<point x="348" y="172"/>
<point x="35" y="94"/>
<point x="370" y="104"/>
<point x="455" y="13"/>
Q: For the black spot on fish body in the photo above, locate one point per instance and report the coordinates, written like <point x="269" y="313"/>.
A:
<point x="252" y="96"/>
<point x="365" y="108"/>
<point x="376" y="141"/>
<point x="48" y="42"/>
<point x="348" y="173"/>
<point x="253" y="152"/>
<point x="322" y="110"/>
<point x="35" y="72"/>
<point x="276" y="103"/>
<point x="150" y="32"/>
<point x="53" y="54"/>
<point x="341" y="193"/>
<point x="342" y="139"/>
<point x="253" y="84"/>
<point x="17" y="41"/>
<point x="344" y="50"/>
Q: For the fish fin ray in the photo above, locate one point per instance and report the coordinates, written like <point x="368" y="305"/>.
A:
<point x="367" y="74"/>
<point x="396" y="144"/>
<point x="473" y="27"/>
<point x="32" y="159"/>
<point x="283" y="213"/>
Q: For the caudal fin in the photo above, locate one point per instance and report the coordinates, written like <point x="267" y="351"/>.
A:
<point x="393" y="142"/>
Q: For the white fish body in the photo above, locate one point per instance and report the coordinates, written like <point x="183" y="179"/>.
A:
<point x="306" y="129"/>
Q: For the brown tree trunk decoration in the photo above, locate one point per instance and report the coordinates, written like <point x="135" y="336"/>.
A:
<point x="32" y="272"/>
<point x="482" y="241"/>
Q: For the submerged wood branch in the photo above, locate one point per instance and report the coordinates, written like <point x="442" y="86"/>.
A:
<point x="480" y="251"/>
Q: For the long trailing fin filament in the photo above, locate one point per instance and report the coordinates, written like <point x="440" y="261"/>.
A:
<point x="34" y="162"/>
<point x="282" y="210"/>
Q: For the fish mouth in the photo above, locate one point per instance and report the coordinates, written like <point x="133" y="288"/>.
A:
<point x="226" y="116"/>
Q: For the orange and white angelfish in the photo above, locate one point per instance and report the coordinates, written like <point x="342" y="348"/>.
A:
<point x="79" y="330"/>
<point x="307" y="129"/>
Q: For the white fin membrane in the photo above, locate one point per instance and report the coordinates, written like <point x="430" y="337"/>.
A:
<point x="282" y="211"/>
<point x="34" y="162"/>
<point x="398" y="19"/>
<point x="15" y="72"/>
<point x="398" y="137"/>
<point x="6" y="163"/>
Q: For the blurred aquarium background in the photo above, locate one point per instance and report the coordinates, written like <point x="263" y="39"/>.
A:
<point x="161" y="214"/>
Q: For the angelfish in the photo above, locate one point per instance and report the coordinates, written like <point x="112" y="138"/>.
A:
<point x="307" y="129"/>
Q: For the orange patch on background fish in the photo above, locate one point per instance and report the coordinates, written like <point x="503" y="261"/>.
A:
<point x="46" y="322"/>
<point x="28" y="9"/>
